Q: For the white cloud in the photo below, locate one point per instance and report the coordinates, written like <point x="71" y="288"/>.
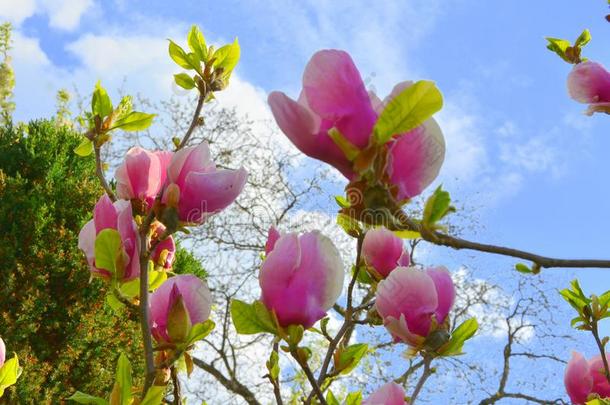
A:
<point x="16" y="11"/>
<point x="63" y="14"/>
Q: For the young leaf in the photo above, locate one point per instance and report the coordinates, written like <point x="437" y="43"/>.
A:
<point x="331" y="399"/>
<point x="246" y="319"/>
<point x="83" y="398"/>
<point x="354" y="398"/>
<point x="134" y="121"/>
<point x="460" y="335"/>
<point x="100" y="102"/>
<point x="154" y="395"/>
<point x="349" y="150"/>
<point x="273" y="365"/>
<point x="196" y="42"/>
<point x="583" y="39"/>
<point x="405" y="234"/>
<point x="123" y="379"/>
<point x="226" y="57"/>
<point x="342" y="201"/>
<point x="9" y="373"/>
<point x="108" y="250"/>
<point x="349" y="225"/>
<point x="437" y="206"/>
<point x="200" y="331"/>
<point x="559" y="46"/>
<point x="522" y="268"/>
<point x="114" y="303"/>
<point x="179" y="56"/>
<point x="85" y="148"/>
<point x="185" y="81"/>
<point x="350" y="357"/>
<point x="408" y="110"/>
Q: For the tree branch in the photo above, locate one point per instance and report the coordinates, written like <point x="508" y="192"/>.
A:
<point x="231" y="384"/>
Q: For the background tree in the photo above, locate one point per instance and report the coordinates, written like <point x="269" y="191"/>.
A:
<point x="7" y="76"/>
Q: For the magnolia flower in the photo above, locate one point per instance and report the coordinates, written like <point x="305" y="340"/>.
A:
<point x="383" y="251"/>
<point x="142" y="175"/>
<point x="118" y="216"/>
<point x="301" y="277"/>
<point x="413" y="302"/>
<point x="334" y="96"/>
<point x="584" y="377"/>
<point x="388" y="394"/>
<point x="179" y="294"/>
<point x="164" y="251"/>
<point x="197" y="187"/>
<point x="2" y="352"/>
<point x="589" y="83"/>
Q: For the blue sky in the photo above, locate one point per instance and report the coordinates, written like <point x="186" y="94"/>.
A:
<point x="518" y="149"/>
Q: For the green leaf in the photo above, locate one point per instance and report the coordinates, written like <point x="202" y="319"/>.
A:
<point x="155" y="279"/>
<point x="124" y="108"/>
<point x="185" y="81"/>
<point x="559" y="46"/>
<point x="246" y="319"/>
<point x="408" y="110"/>
<point x="349" y="150"/>
<point x="354" y="398"/>
<point x="196" y="42"/>
<point x="83" y="398"/>
<point x="100" y="102"/>
<point x="108" y="250"/>
<point x="351" y="356"/>
<point x="331" y="399"/>
<point x="264" y="316"/>
<point x="407" y="234"/>
<point x="131" y="288"/>
<point x="134" y="121"/>
<point x="200" y="331"/>
<point x="460" y="335"/>
<point x="349" y="224"/>
<point x="226" y="57"/>
<point x="437" y="206"/>
<point x="522" y="268"/>
<point x="85" y="148"/>
<point x="273" y="365"/>
<point x="9" y="373"/>
<point x="179" y="56"/>
<point x="342" y="201"/>
<point x="178" y="321"/>
<point x="583" y="39"/>
<point x="114" y="303"/>
<point x="123" y="379"/>
<point x="154" y="395"/>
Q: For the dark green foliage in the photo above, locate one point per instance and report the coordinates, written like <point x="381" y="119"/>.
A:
<point x="51" y="314"/>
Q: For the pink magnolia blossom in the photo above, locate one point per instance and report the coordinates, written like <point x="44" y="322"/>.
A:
<point x="589" y="83"/>
<point x="163" y="254"/>
<point x="584" y="377"/>
<point x="202" y="189"/>
<point x="412" y="301"/>
<point x="384" y="251"/>
<point x="2" y="352"/>
<point x="118" y="216"/>
<point x="301" y="277"/>
<point x="388" y="394"/>
<point x="334" y="96"/>
<point x="142" y="174"/>
<point x="194" y="294"/>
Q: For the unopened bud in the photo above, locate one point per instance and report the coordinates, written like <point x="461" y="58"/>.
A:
<point x="172" y="195"/>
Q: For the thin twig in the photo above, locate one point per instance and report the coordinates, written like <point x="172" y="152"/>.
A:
<point x="195" y="121"/>
<point x="600" y="346"/>
<point x="275" y="382"/>
<point x="176" y="384"/>
<point x="99" y="171"/>
<point x="422" y="379"/>
<point x="310" y="377"/>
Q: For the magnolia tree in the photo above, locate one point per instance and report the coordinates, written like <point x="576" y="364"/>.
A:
<point x="389" y="152"/>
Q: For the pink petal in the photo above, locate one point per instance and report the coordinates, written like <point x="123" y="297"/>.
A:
<point x="600" y="382"/>
<point x="416" y="158"/>
<point x="382" y="250"/>
<point x="165" y="159"/>
<point x="303" y="129"/>
<point x="589" y="82"/>
<point x="208" y="193"/>
<point x="166" y="244"/>
<point x="445" y="291"/>
<point x="335" y="91"/>
<point x="128" y="230"/>
<point x="104" y="214"/>
<point x="194" y="159"/>
<point x="2" y="352"/>
<point x="577" y="379"/>
<point x="400" y="331"/>
<point x="388" y="394"/>
<point x="409" y="292"/>
<point x="86" y="240"/>
<point x="272" y="237"/>
<point x="143" y="171"/>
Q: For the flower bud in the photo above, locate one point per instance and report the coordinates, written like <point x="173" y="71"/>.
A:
<point x="383" y="251"/>
<point x="583" y="378"/>
<point x="589" y="83"/>
<point x="388" y="394"/>
<point x="2" y="352"/>
<point x="301" y="278"/>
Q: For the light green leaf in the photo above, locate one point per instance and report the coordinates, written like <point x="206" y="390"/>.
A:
<point x="131" y="288"/>
<point x="100" y="102"/>
<point x="522" y="268"/>
<point x="354" y="398"/>
<point x="83" y="398"/>
<point x="200" y="331"/>
<point x="437" y="207"/>
<point x="154" y="395"/>
<point x="583" y="39"/>
<point x="351" y="356"/>
<point x="460" y="335"/>
<point x="246" y="319"/>
<point x="342" y="201"/>
<point x="196" y="42"/>
<point x="407" y="234"/>
<point x="9" y="373"/>
<point x="85" y="148"/>
<point x="134" y="121"/>
<point x="178" y="321"/>
<point x="108" y="250"/>
<point x="226" y="57"/>
<point x="123" y="379"/>
<point x="273" y="365"/>
<point x="349" y="224"/>
<point x="331" y="399"/>
<point x="155" y="279"/>
<point x="559" y="46"/>
<point x="408" y="110"/>
<point x="349" y="150"/>
<point x="185" y="81"/>
<point x="114" y="303"/>
<point x="179" y="56"/>
<point x="124" y="108"/>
